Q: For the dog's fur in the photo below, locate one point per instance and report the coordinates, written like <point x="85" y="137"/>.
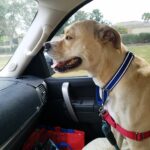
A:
<point x="100" y="48"/>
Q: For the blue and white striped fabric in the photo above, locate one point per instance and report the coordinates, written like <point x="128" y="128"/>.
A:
<point x="115" y="79"/>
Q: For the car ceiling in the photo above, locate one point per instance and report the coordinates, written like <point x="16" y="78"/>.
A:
<point x="61" y="5"/>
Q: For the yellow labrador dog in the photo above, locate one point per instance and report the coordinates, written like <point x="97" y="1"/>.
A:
<point x="97" y="48"/>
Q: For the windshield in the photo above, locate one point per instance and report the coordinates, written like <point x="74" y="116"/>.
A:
<point x="16" y="17"/>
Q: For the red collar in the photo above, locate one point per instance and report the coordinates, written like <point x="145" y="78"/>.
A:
<point x="137" y="136"/>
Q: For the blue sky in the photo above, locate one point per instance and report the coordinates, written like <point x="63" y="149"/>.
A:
<point x="120" y="10"/>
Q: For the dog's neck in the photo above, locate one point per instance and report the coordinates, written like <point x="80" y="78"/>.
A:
<point x="107" y="68"/>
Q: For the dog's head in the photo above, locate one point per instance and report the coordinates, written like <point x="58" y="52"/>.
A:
<point x="83" y="46"/>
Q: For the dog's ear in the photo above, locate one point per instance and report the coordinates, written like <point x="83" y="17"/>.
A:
<point x="107" y="34"/>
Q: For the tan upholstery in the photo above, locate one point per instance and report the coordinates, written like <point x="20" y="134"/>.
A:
<point x="103" y="144"/>
<point x="98" y="144"/>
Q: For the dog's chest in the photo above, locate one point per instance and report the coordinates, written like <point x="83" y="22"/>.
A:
<point x="116" y="108"/>
<point x="113" y="111"/>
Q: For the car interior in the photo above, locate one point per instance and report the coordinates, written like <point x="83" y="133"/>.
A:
<point x="30" y="97"/>
<point x="29" y="94"/>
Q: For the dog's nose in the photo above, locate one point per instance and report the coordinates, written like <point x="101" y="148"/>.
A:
<point x="47" y="46"/>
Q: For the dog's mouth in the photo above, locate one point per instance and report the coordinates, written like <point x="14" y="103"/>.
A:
<point x="67" y="65"/>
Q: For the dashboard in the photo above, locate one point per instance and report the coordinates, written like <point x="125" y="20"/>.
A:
<point x="21" y="101"/>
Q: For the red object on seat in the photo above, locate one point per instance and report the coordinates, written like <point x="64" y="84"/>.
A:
<point x="74" y="138"/>
<point x="39" y="135"/>
<point x="66" y="139"/>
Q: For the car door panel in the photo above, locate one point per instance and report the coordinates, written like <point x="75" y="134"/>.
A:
<point x="81" y="93"/>
<point x="82" y="96"/>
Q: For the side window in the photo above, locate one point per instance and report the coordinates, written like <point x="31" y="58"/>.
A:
<point x="15" y="19"/>
<point x="130" y="18"/>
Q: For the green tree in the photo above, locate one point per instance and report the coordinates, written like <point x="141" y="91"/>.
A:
<point x="97" y="16"/>
<point x="15" y="17"/>
<point x="79" y="16"/>
<point x="3" y="11"/>
<point x="19" y="15"/>
<point x="146" y="17"/>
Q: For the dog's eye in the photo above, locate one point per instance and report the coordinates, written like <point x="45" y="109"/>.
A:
<point x="68" y="37"/>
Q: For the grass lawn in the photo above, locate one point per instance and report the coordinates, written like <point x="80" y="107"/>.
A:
<point x="142" y="50"/>
<point x="3" y="60"/>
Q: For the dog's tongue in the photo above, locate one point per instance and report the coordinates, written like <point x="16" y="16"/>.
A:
<point x="58" y="64"/>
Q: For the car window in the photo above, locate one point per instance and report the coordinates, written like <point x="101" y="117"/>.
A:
<point x="130" y="18"/>
<point x="15" y="19"/>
